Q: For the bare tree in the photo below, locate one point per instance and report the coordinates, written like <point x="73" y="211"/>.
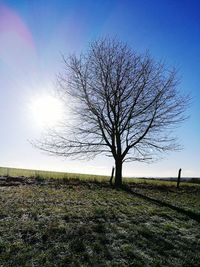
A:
<point x="125" y="105"/>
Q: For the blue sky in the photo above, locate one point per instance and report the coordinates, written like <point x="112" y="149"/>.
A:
<point x="33" y="34"/>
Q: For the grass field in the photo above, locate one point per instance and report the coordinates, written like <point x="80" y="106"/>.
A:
<point x="65" y="222"/>
<point x="6" y="171"/>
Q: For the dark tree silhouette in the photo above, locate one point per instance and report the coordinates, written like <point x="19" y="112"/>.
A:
<point x="124" y="105"/>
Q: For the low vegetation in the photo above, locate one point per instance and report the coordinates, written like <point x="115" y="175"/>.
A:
<point x="63" y="222"/>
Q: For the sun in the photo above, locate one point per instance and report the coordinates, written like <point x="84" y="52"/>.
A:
<point x="46" y="110"/>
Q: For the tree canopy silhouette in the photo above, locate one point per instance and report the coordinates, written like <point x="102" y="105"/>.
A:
<point x="124" y="105"/>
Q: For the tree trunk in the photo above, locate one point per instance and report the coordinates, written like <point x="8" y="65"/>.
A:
<point x="118" y="172"/>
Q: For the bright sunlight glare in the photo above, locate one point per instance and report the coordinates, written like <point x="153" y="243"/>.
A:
<point x="46" y="110"/>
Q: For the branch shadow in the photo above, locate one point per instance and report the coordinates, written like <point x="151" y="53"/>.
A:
<point x="192" y="215"/>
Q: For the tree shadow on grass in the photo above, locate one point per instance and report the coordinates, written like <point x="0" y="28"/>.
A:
<point x="190" y="214"/>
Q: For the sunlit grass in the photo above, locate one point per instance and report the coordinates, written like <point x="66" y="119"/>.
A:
<point x="4" y="171"/>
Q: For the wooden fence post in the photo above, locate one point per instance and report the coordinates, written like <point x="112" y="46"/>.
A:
<point x="113" y="169"/>
<point x="179" y="178"/>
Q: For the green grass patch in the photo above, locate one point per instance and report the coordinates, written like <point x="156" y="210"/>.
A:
<point x="91" y="224"/>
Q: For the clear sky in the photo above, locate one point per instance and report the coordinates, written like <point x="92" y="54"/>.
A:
<point x="34" y="34"/>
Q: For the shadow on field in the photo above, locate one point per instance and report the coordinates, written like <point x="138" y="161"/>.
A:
<point x="188" y="213"/>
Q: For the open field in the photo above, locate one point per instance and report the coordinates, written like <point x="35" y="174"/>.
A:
<point x="64" y="222"/>
<point x="6" y="171"/>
